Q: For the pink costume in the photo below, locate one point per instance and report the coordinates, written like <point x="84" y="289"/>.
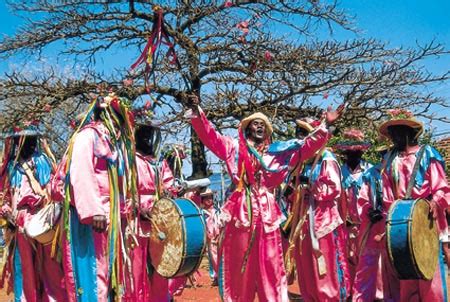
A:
<point x="195" y="197"/>
<point x="374" y="277"/>
<point x="321" y="278"/>
<point x="351" y="182"/>
<point x="148" y="286"/>
<point x="212" y="233"/>
<point x="37" y="277"/>
<point x="85" y="256"/>
<point x="251" y="255"/>
<point x="429" y="182"/>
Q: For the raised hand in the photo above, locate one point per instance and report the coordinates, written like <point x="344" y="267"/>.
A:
<point x="331" y="116"/>
<point x="191" y="101"/>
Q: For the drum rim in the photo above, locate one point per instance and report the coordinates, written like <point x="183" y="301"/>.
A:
<point x="418" y="273"/>
<point x="410" y="241"/>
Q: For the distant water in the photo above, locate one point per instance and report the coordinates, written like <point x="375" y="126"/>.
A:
<point x="216" y="184"/>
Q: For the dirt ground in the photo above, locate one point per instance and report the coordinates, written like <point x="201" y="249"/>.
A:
<point x="202" y="292"/>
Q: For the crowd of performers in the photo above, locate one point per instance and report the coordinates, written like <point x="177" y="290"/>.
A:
<point x="293" y="212"/>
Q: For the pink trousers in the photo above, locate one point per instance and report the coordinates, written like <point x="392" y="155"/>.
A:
<point x="42" y="276"/>
<point x="142" y="285"/>
<point x="329" y="286"/>
<point x="262" y="272"/>
<point x="375" y="278"/>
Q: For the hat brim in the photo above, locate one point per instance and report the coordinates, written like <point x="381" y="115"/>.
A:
<point x="22" y="133"/>
<point x="304" y="125"/>
<point x="383" y="148"/>
<point x="351" y="147"/>
<point x="258" y="115"/>
<point x="383" y="129"/>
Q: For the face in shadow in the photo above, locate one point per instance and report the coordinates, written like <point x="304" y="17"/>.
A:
<point x="145" y="139"/>
<point x="28" y="148"/>
<point x="402" y="136"/>
<point x="353" y="158"/>
<point x="301" y="133"/>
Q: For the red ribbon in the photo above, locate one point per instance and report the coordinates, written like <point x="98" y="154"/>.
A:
<point x="158" y="36"/>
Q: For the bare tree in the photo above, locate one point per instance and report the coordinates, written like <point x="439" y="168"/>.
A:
<point x="239" y="56"/>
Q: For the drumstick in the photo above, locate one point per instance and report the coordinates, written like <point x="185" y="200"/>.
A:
<point x="379" y="237"/>
<point x="162" y="236"/>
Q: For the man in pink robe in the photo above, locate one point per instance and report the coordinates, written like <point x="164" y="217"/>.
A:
<point x="155" y="180"/>
<point x="353" y="147"/>
<point x="36" y="276"/>
<point x="430" y="183"/>
<point x="251" y="260"/>
<point x="95" y="164"/>
<point x="374" y="276"/>
<point x="212" y="231"/>
<point x="319" y="256"/>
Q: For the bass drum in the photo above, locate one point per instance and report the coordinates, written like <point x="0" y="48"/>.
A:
<point x="412" y="239"/>
<point x="177" y="238"/>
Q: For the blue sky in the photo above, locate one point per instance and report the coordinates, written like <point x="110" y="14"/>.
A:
<point x="406" y="23"/>
<point x="399" y="23"/>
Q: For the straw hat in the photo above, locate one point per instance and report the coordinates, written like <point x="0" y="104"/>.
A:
<point x="207" y="192"/>
<point x="307" y="124"/>
<point x="258" y="115"/>
<point x="397" y="117"/>
<point x="304" y="125"/>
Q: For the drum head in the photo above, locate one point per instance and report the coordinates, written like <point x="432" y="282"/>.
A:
<point x="424" y="240"/>
<point x="166" y="238"/>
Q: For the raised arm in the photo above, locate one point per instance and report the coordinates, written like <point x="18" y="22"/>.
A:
<point x="312" y="143"/>
<point x="219" y="144"/>
<point x="167" y="179"/>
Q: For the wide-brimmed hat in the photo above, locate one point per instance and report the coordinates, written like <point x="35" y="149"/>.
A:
<point x="307" y="124"/>
<point x="382" y="144"/>
<point x="353" y="140"/>
<point x="206" y="192"/>
<point x="397" y="117"/>
<point x="258" y="115"/>
<point x="304" y="125"/>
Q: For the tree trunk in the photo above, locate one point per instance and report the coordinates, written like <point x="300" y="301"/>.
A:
<point x="198" y="157"/>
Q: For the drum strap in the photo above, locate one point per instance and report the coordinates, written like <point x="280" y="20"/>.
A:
<point x="35" y="185"/>
<point x="321" y="265"/>
<point x="412" y="180"/>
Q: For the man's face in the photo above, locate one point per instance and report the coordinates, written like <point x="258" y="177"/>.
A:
<point x="207" y="201"/>
<point x="353" y="158"/>
<point x="29" y="146"/>
<point x="401" y="135"/>
<point x="257" y="130"/>
<point x="144" y="140"/>
<point x="301" y="133"/>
